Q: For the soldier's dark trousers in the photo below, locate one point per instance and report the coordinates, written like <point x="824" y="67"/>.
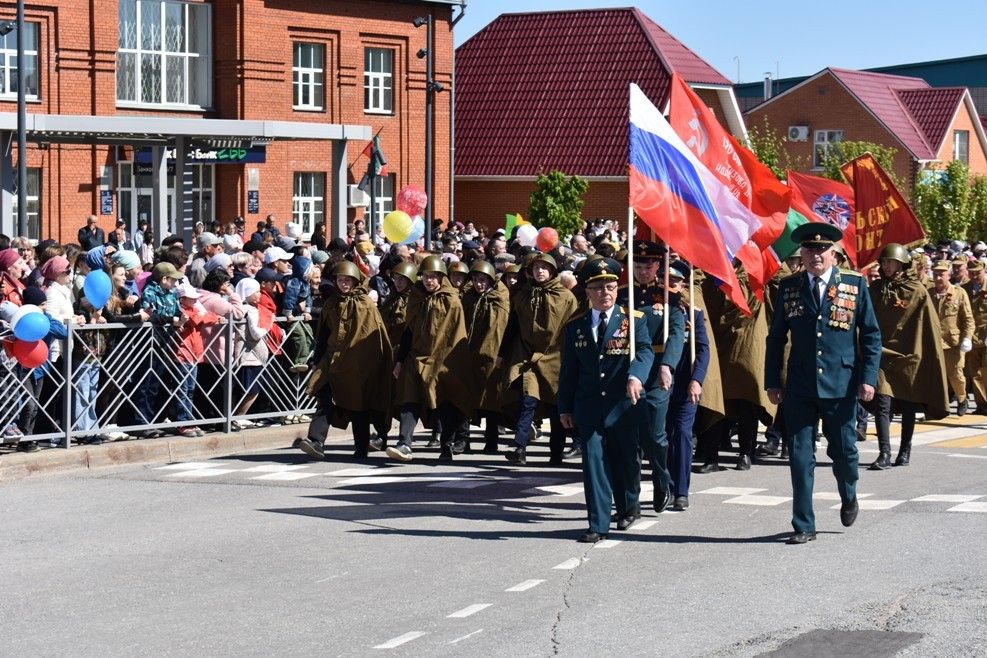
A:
<point x="360" y="422"/>
<point x="745" y="413"/>
<point x="678" y="424"/>
<point x="838" y="424"/>
<point x="611" y="472"/>
<point x="318" y="429"/>
<point x="448" y="416"/>
<point x="654" y="440"/>
<point x="522" y="435"/>
<point x="880" y="406"/>
<point x="708" y="443"/>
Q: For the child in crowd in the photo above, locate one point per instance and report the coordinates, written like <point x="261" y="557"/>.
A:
<point x="191" y="350"/>
<point x="297" y="302"/>
<point x="160" y="302"/>
<point x="33" y="379"/>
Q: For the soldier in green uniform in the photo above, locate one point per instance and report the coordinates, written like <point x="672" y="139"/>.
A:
<point x="956" y="325"/>
<point x="647" y="259"/>
<point x="976" y="359"/>
<point x="834" y="359"/>
<point x="600" y="388"/>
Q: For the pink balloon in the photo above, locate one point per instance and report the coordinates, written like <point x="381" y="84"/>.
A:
<point x="412" y="200"/>
<point x="548" y="239"/>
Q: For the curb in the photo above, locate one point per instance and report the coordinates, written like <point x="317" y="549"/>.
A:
<point x="17" y="466"/>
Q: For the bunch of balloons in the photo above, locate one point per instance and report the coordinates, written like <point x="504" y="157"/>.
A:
<point x="412" y="200"/>
<point x="29" y="326"/>
<point x="545" y="239"/>
<point x="400" y="228"/>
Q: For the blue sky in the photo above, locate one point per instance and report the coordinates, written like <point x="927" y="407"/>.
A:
<point x="792" y="37"/>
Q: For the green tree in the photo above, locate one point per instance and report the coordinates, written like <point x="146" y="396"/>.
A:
<point x="846" y="151"/>
<point x="770" y="148"/>
<point x="978" y="208"/>
<point x="557" y="202"/>
<point x="945" y="202"/>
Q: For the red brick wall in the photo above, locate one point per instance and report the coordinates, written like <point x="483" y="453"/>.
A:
<point x="486" y="202"/>
<point x="977" y="159"/>
<point x="252" y="79"/>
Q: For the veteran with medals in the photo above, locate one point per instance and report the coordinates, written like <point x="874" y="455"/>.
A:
<point x="600" y="391"/>
<point x="834" y="359"/>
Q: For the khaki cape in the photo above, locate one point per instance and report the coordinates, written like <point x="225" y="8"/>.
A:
<point x="711" y="404"/>
<point x="486" y="322"/>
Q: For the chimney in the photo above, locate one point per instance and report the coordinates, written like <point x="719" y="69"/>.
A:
<point x="767" y="85"/>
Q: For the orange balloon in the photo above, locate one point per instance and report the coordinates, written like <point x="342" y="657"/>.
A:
<point x="548" y="239"/>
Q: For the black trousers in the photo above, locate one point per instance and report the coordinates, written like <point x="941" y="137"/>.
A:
<point x="449" y="418"/>
<point x="880" y="407"/>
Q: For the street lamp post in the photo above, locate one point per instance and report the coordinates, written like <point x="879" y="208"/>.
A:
<point x="21" y="126"/>
<point x="431" y="88"/>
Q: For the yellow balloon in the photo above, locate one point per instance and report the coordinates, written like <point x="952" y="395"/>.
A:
<point x="397" y="226"/>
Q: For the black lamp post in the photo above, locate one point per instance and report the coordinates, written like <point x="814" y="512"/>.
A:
<point x="5" y="29"/>
<point x="431" y="88"/>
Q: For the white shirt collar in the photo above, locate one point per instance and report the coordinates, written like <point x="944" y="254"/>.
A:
<point x="825" y="276"/>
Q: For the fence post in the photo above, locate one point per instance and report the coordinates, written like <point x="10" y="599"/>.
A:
<point x="67" y="404"/>
<point x="228" y="376"/>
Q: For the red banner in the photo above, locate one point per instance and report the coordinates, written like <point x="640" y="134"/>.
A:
<point x="882" y="215"/>
<point x="824" y="200"/>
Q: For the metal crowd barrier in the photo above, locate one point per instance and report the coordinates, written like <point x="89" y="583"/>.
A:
<point x="137" y="359"/>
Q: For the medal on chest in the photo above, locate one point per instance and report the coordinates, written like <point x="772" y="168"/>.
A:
<point x="792" y="301"/>
<point x="619" y="344"/>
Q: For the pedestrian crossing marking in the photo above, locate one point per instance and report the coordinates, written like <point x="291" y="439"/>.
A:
<point x="284" y="476"/>
<point x="753" y="499"/>
<point x="274" y="468"/>
<point x="832" y="495"/>
<point x="970" y="507"/>
<point x="569" y="564"/>
<point x="558" y="489"/>
<point x="202" y="472"/>
<point x="945" y="498"/>
<point x="525" y="585"/>
<point x="641" y="526"/>
<point x="469" y="610"/>
<point x="607" y="543"/>
<point x="401" y="639"/>
<point x="185" y="466"/>
<point x="875" y="504"/>
<point x="731" y="491"/>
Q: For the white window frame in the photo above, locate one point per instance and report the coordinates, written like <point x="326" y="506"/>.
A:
<point x="824" y="139"/>
<point x="33" y="205"/>
<point x="384" y="194"/>
<point x="187" y="55"/>
<point x="963" y="156"/>
<point x="305" y="203"/>
<point x="377" y="83"/>
<point x="8" y="71"/>
<point x="127" y="185"/>
<point x="308" y="79"/>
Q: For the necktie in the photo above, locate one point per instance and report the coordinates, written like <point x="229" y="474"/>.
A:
<point x="816" y="289"/>
<point x="601" y="330"/>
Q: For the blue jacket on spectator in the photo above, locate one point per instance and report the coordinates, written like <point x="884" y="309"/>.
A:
<point x="297" y="288"/>
<point x="56" y="331"/>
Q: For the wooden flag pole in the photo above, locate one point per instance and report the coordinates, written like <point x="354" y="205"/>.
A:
<point x="692" y="316"/>
<point x="630" y="280"/>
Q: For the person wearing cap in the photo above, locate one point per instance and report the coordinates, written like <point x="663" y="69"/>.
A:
<point x="956" y="326"/>
<point x="353" y="361"/>
<point x="207" y="245"/>
<point x="487" y="305"/>
<point x="959" y="274"/>
<point x="976" y="358"/>
<point x="912" y="377"/>
<point x="433" y="364"/>
<point x="190" y="352"/>
<point x="531" y="355"/>
<point x="601" y="391"/>
<point x="647" y="259"/>
<point x="834" y="360"/>
<point x="160" y="301"/>
<point x="297" y="303"/>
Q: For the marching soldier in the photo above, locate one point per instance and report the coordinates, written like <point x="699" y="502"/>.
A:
<point x="836" y="349"/>
<point x="647" y="259"/>
<point x="956" y="326"/>
<point x="599" y="393"/>
<point x="976" y="359"/>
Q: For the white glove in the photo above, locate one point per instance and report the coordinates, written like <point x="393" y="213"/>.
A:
<point x="966" y="345"/>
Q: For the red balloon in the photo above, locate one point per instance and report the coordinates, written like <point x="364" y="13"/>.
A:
<point x="548" y="239"/>
<point x="8" y="347"/>
<point x="30" y="354"/>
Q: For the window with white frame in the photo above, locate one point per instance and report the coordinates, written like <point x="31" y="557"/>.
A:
<point x="308" y="200"/>
<point x="33" y="198"/>
<point x="308" y="73"/>
<point x="164" y="53"/>
<point x="961" y="146"/>
<point x="8" y="62"/>
<point x="825" y="143"/>
<point x="378" y="80"/>
<point x="384" y="195"/>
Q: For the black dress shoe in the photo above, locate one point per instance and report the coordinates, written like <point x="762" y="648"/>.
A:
<point x="708" y="467"/>
<point x="861" y="436"/>
<point x="848" y="512"/>
<point x="590" y="537"/>
<point x="784" y="452"/>
<point x="743" y="463"/>
<point x="681" y="503"/>
<point x="904" y="456"/>
<point x="661" y="500"/>
<point x="516" y="456"/>
<point x="573" y="452"/>
<point x="445" y="456"/>
<point x="882" y="462"/>
<point x="459" y="447"/>
<point x="801" y="538"/>
<point x="627" y="521"/>
<point x="378" y="444"/>
<point x="769" y="449"/>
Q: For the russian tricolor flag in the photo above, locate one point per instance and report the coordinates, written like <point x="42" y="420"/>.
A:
<point x="682" y="201"/>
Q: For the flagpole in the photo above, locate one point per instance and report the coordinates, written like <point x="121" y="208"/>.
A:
<point x="664" y="315"/>
<point x="692" y="315"/>
<point x="630" y="279"/>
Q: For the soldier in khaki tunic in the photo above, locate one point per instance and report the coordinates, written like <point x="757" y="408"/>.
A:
<point x="956" y="326"/>
<point x="976" y="359"/>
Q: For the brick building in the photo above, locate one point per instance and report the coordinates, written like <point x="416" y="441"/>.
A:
<point x="343" y="63"/>
<point x="929" y="126"/>
<point x="549" y="90"/>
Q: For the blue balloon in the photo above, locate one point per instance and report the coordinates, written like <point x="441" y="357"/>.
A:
<point x="417" y="231"/>
<point x="32" y="327"/>
<point x="98" y="288"/>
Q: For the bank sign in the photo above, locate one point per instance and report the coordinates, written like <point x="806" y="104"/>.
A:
<point x="234" y="156"/>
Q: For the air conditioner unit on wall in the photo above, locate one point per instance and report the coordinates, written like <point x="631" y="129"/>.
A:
<point x="798" y="133"/>
<point x="357" y="197"/>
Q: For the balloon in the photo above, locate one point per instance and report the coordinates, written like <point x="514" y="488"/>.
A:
<point x="417" y="231"/>
<point x="412" y="199"/>
<point x="548" y="239"/>
<point x="29" y="323"/>
<point x="30" y="354"/>
<point x="527" y="235"/>
<point x="397" y="225"/>
<point x="98" y="288"/>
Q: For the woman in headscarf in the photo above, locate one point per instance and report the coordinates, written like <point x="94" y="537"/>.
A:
<point x="13" y="268"/>
<point x="353" y="358"/>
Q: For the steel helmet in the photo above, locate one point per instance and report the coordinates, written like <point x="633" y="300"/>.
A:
<point x="483" y="267"/>
<point x="895" y="251"/>
<point x="459" y="266"/>
<point x="543" y="258"/>
<point x="407" y="270"/>
<point x="433" y="264"/>
<point x="347" y="268"/>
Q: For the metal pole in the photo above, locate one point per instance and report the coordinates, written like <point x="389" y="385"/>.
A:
<point x="630" y="280"/>
<point x="429" y="95"/>
<point x="21" y="127"/>
<point x="228" y="374"/>
<point x="692" y="315"/>
<point x="372" y="175"/>
<point x="452" y="124"/>
<point x="67" y="406"/>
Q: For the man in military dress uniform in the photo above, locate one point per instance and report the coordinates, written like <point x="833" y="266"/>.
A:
<point x="600" y="391"/>
<point x="834" y="358"/>
<point x="647" y="260"/>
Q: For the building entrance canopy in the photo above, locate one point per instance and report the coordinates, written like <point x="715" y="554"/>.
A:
<point x="175" y="138"/>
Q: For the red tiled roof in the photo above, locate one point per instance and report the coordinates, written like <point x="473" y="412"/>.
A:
<point x="548" y="90"/>
<point x="933" y="110"/>
<point x="879" y="93"/>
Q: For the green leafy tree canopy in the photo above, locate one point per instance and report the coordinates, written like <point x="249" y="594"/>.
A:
<point x="558" y="202"/>
<point x="948" y="204"/>
<point x="770" y="148"/>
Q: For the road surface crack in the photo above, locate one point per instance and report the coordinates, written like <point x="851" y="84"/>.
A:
<point x="566" y="590"/>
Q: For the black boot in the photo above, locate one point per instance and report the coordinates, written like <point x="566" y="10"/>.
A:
<point x="904" y="452"/>
<point x="961" y="407"/>
<point x="516" y="455"/>
<point x="445" y="455"/>
<point x="882" y="462"/>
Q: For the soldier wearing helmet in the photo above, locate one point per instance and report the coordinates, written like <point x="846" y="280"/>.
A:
<point x="458" y="274"/>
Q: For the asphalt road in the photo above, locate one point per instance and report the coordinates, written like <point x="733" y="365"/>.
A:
<point x="271" y="554"/>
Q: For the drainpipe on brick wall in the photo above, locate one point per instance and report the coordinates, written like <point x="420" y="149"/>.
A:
<point x="452" y="120"/>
